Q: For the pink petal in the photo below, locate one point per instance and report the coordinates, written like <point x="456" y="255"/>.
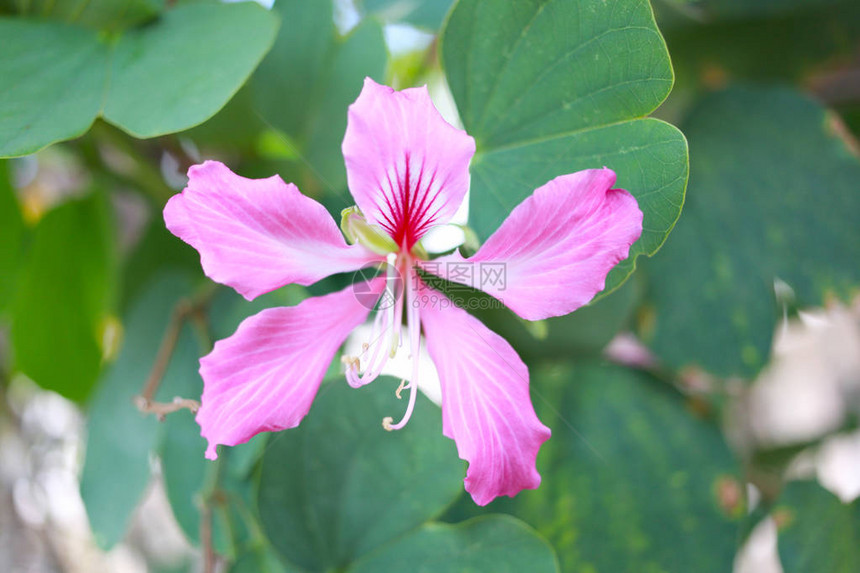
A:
<point x="554" y="250"/>
<point x="256" y="235"/>
<point x="408" y="169"/>
<point x="264" y="377"/>
<point x="486" y="408"/>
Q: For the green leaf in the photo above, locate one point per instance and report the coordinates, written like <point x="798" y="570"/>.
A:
<point x="100" y="14"/>
<point x="284" y="85"/>
<point x="64" y="296"/>
<point x="160" y="78"/>
<point x="586" y="331"/>
<point x="427" y="14"/>
<point x="339" y="486"/>
<point x="630" y="477"/>
<point x="119" y="438"/>
<point x="361" y="54"/>
<point x="491" y="544"/>
<point x="308" y="80"/>
<point x="211" y="52"/>
<point x="738" y="9"/>
<point x="183" y="464"/>
<point x="11" y="237"/>
<point x="157" y="252"/>
<point x="260" y="561"/>
<point x="789" y="46"/>
<point x="773" y="195"/>
<point x="549" y="87"/>
<point x="63" y="98"/>
<point x="818" y="532"/>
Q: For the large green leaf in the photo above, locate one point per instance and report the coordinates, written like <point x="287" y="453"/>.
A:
<point x="491" y="544"/>
<point x="64" y="296"/>
<point x="817" y="532"/>
<point x="49" y="90"/>
<point x="119" y="438"/>
<point x="160" y="78"/>
<point x="100" y="14"/>
<point x="308" y="80"/>
<point x="773" y="194"/>
<point x="632" y="480"/>
<point x="548" y="87"/>
<point x="184" y="467"/>
<point x="339" y="486"/>
<point x="11" y="236"/>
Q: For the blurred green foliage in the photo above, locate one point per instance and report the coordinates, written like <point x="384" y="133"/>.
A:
<point x="638" y="475"/>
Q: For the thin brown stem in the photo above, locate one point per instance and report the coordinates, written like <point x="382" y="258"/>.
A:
<point x="145" y="402"/>
<point x="209" y="556"/>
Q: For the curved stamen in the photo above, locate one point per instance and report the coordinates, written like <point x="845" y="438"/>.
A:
<point x="413" y="317"/>
<point x="353" y="363"/>
<point x="387" y="320"/>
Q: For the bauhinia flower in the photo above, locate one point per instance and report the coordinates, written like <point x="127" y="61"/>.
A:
<point x="408" y="171"/>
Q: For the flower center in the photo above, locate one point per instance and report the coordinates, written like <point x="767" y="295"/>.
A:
<point x="401" y="287"/>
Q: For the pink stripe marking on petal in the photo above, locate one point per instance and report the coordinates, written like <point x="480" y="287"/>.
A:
<point x="401" y="135"/>
<point x="265" y="376"/>
<point x="486" y="407"/>
<point x="256" y="235"/>
<point x="557" y="246"/>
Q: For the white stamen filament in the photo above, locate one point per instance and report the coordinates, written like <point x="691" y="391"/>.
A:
<point x="413" y="319"/>
<point x="387" y="322"/>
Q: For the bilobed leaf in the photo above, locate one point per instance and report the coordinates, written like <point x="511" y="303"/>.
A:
<point x="774" y="195"/>
<point x="11" y="237"/>
<point x="491" y="544"/>
<point x="119" y="438"/>
<point x="163" y="77"/>
<point x="548" y="87"/>
<point x="632" y="480"/>
<point x="49" y="90"/>
<point x="63" y="296"/>
<point x="339" y="486"/>
<point x="210" y="51"/>
<point x="817" y="532"/>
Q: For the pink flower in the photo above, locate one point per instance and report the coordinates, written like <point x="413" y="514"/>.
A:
<point x="408" y="171"/>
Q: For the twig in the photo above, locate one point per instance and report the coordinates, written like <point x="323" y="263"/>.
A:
<point x="145" y="401"/>
<point x="206" y="539"/>
<point x="161" y="409"/>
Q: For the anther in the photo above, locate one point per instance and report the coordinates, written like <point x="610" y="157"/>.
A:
<point x="386" y="423"/>
<point x="400" y="389"/>
<point x="351" y="362"/>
